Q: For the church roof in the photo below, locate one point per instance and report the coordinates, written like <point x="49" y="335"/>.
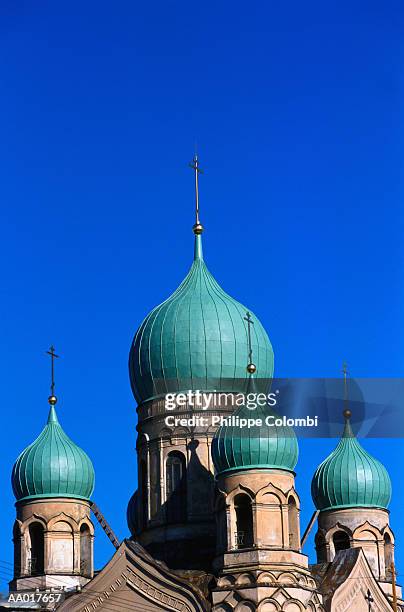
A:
<point x="196" y="339"/>
<point x="257" y="447"/>
<point x="350" y="477"/>
<point x="53" y="466"/>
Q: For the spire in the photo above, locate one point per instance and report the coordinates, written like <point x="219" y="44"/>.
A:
<point x="52" y="399"/>
<point x="198" y="227"/>
<point x="251" y="367"/>
<point x="348" y="433"/>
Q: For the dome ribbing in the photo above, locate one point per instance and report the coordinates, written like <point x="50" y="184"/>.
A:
<point x="53" y="466"/>
<point x="196" y="339"/>
<point x="259" y="447"/>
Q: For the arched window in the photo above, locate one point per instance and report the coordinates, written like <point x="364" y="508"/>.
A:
<point x="176" y="488"/>
<point x="36" y="560"/>
<point x="293" y="516"/>
<point x="388" y="555"/>
<point x="244" y="521"/>
<point x="144" y="502"/>
<point x="85" y="551"/>
<point x="341" y="541"/>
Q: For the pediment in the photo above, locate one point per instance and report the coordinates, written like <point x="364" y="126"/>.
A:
<point x="347" y="582"/>
<point x="133" y="580"/>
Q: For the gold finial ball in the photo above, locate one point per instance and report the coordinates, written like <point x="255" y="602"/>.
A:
<point x="198" y="228"/>
<point x="347" y="414"/>
<point x="52" y="399"/>
<point x="251" y="368"/>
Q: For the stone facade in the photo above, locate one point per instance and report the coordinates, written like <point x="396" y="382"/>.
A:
<point x="53" y="544"/>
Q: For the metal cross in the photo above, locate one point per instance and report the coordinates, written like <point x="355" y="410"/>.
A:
<point x="249" y="323"/>
<point x="369" y="599"/>
<point x="53" y="355"/>
<point x="195" y="166"/>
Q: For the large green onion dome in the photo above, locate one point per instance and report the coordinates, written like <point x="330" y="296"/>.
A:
<point x="350" y="477"/>
<point x="263" y="446"/>
<point x="53" y="466"/>
<point x="196" y="339"/>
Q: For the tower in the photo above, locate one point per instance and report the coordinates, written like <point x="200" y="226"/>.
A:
<point x="352" y="491"/>
<point x="259" y="558"/>
<point x="52" y="480"/>
<point x="196" y="340"/>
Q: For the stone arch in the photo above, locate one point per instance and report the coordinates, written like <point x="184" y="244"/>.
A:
<point x="176" y="486"/>
<point x="63" y="526"/>
<point x="266" y="577"/>
<point x="245" y="579"/>
<point x="388" y="530"/>
<point x="166" y="433"/>
<point x="293" y="493"/>
<point x="225" y="581"/>
<point x="89" y="525"/>
<point x="286" y="578"/>
<point x="36" y="518"/>
<point x="271" y="489"/>
<point x="181" y="432"/>
<point x="240" y="489"/>
<point x="293" y="605"/>
<point x="62" y="518"/>
<point x="337" y="527"/>
<point x="367" y="531"/>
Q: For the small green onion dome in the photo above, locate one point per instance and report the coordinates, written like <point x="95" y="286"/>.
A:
<point x="350" y="477"/>
<point x="53" y="466"/>
<point x="196" y="339"/>
<point x="263" y="446"/>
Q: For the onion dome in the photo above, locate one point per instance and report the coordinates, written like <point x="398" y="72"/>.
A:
<point x="264" y="446"/>
<point x="52" y="466"/>
<point x="196" y="339"/>
<point x="350" y="477"/>
<point x="132" y="514"/>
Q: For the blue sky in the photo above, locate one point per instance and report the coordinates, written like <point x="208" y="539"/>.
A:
<point x="296" y="112"/>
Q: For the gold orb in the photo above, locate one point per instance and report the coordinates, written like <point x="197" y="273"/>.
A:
<point x="347" y="414"/>
<point x="198" y="228"/>
<point x="251" y="368"/>
<point x="52" y="399"/>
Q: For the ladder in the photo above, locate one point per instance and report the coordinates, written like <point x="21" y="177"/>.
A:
<point x="102" y="521"/>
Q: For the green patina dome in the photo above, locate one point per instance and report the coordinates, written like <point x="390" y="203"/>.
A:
<point x="259" y="447"/>
<point x="196" y="339"/>
<point x="350" y="477"/>
<point x="53" y="466"/>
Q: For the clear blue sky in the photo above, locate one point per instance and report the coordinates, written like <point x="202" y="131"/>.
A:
<point x="296" y="111"/>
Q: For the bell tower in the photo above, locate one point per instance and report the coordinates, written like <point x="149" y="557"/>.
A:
<point x="53" y="535"/>
<point x="259" y="561"/>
